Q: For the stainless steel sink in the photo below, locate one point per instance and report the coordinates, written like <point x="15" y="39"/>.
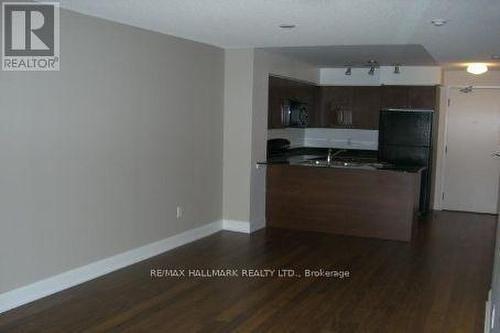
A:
<point x="340" y="164"/>
<point x="315" y="162"/>
<point x="303" y="158"/>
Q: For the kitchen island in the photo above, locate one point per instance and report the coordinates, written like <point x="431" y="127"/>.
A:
<point x="364" y="199"/>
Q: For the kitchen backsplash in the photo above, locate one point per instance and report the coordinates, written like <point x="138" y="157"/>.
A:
<point x="296" y="136"/>
<point x="341" y="138"/>
<point x="328" y="137"/>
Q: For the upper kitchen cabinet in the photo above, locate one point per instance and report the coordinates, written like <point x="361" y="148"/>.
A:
<point x="281" y="91"/>
<point x="415" y="97"/>
<point x="423" y="97"/>
<point x="275" y="117"/>
<point x="336" y="106"/>
<point x="395" y="97"/>
<point x="350" y="107"/>
<point x="366" y="107"/>
<point x="355" y="107"/>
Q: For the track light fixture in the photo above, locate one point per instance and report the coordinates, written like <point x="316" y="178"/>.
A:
<point x="372" y="65"/>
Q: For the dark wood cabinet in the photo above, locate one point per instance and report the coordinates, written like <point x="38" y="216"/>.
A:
<point x="345" y="106"/>
<point x="336" y="106"/>
<point x="315" y="120"/>
<point x="416" y="97"/>
<point x="423" y="97"/>
<point x="366" y="107"/>
<point x="367" y="203"/>
<point x="395" y="97"/>
<point x="350" y="107"/>
<point x="281" y="89"/>
<point x="275" y="112"/>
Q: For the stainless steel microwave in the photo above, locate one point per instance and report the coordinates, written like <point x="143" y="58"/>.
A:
<point x="295" y="113"/>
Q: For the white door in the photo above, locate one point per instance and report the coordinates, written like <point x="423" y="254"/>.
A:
<point x="473" y="136"/>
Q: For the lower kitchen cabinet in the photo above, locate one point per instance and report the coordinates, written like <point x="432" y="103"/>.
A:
<point x="367" y="203"/>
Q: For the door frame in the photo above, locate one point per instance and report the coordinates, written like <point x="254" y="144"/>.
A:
<point x="442" y="171"/>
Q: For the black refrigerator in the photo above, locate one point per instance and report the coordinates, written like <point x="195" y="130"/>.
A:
<point x="405" y="138"/>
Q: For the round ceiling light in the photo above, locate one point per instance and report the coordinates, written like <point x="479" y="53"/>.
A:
<point x="477" y="68"/>
<point x="439" y="22"/>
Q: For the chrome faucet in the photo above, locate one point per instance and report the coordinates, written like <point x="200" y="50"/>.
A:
<point x="330" y="156"/>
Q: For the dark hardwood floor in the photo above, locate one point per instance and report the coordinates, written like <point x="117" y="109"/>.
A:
<point x="437" y="283"/>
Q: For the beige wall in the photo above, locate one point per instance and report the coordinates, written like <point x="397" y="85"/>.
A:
<point x="455" y="78"/>
<point x="237" y="133"/>
<point x="245" y="128"/>
<point x="461" y="77"/>
<point x="95" y="158"/>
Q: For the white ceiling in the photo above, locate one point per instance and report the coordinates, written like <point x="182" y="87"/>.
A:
<point x="358" y="55"/>
<point x="471" y="34"/>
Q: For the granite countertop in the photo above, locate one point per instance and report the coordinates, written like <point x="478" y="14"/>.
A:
<point x="343" y="158"/>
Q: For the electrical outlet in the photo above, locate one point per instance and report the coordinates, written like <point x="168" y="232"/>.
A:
<point x="180" y="212"/>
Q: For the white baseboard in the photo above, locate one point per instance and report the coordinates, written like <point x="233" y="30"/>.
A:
<point x="256" y="228"/>
<point x="487" y="314"/>
<point x="54" y="284"/>
<point x="236" y="226"/>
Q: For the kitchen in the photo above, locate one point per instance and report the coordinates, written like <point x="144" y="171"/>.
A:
<point x="352" y="160"/>
<point x="251" y="166"/>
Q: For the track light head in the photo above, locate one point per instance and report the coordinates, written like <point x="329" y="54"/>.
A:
<point x="348" y="70"/>
<point x="396" y="69"/>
